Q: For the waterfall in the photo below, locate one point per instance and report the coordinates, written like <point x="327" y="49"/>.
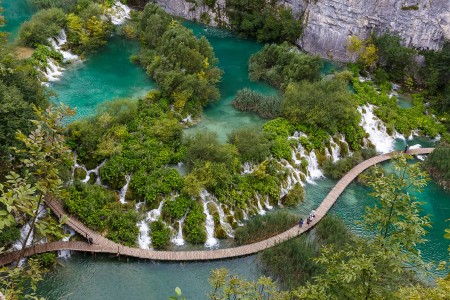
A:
<point x="413" y="134"/>
<point x="313" y="168"/>
<point x="57" y="44"/>
<point x="376" y="129"/>
<point x="154" y="214"/>
<point x="124" y="189"/>
<point x="66" y="253"/>
<point x="225" y="225"/>
<point x="261" y="210"/>
<point x="178" y="238"/>
<point x="53" y="71"/>
<point x="248" y="168"/>
<point x="267" y="204"/>
<point x="335" y="150"/>
<point x="187" y="120"/>
<point x="119" y="13"/>
<point x="211" y="241"/>
<point x="144" y="235"/>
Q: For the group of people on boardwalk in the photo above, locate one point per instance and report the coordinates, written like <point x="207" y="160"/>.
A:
<point x="311" y="216"/>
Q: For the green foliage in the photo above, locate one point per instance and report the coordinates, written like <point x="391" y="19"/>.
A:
<point x="122" y="227"/>
<point x="259" y="227"/>
<point x="438" y="164"/>
<point x="265" y="106"/>
<point x="280" y="65"/>
<point x="396" y="59"/>
<point x="295" y="196"/>
<point x="41" y="55"/>
<point x="263" y="20"/>
<point x="336" y="170"/>
<point x="204" y="146"/>
<point x="175" y="209"/>
<point x="183" y="66"/>
<point x="226" y="287"/>
<point x="46" y="260"/>
<point x="292" y="262"/>
<point x="325" y="104"/>
<point x="194" y="225"/>
<point x="404" y="120"/>
<point x="279" y="127"/>
<point x="9" y="235"/>
<point x="43" y="25"/>
<point x="87" y="30"/>
<point x="91" y="204"/>
<point x="160" y="234"/>
<point x="153" y="186"/>
<point x="252" y="144"/>
<point x="45" y="4"/>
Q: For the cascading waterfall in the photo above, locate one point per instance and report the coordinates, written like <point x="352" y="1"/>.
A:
<point x="178" y="238"/>
<point x="53" y="71"/>
<point x="144" y="240"/>
<point x="124" y="189"/>
<point x="335" y="150"/>
<point x="66" y="253"/>
<point x="376" y="129"/>
<point x="313" y="168"/>
<point x="211" y="241"/>
<point x="261" y="210"/>
<point x="119" y="13"/>
<point x="248" y="168"/>
<point x="88" y="172"/>
<point x="57" y="44"/>
<point x="225" y="225"/>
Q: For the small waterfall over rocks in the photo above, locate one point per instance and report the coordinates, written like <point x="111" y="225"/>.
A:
<point x="88" y="172"/>
<point x="66" y="253"/>
<point x="248" y="167"/>
<point x="144" y="235"/>
<point x="124" y="189"/>
<point x="57" y="44"/>
<point x="118" y="13"/>
<point x="377" y="130"/>
<point x="211" y="241"/>
<point x="178" y="238"/>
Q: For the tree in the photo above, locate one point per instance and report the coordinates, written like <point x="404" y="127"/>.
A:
<point x="22" y="196"/>
<point x="372" y="270"/>
<point x="363" y="51"/>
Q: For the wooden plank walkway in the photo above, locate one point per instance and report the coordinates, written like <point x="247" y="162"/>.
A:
<point x="103" y="245"/>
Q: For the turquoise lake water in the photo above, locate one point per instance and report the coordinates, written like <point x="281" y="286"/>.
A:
<point x="108" y="75"/>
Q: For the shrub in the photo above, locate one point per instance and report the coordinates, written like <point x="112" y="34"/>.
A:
<point x="295" y="196"/>
<point x="194" y="225"/>
<point x="9" y="235"/>
<point x="122" y="227"/>
<point x="175" y="209"/>
<point x="438" y="164"/>
<point x="265" y="106"/>
<point x="259" y="228"/>
<point x="252" y="144"/>
<point x="43" y="25"/>
<point x="282" y="64"/>
<point x="160" y="234"/>
<point x="46" y="260"/>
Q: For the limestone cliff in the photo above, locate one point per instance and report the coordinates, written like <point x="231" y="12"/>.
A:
<point x="422" y="24"/>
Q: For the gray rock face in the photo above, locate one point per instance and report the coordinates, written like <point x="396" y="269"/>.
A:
<point x="423" y="24"/>
<point x="329" y="23"/>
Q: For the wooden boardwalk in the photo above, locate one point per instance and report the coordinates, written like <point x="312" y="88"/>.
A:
<point x="103" y="245"/>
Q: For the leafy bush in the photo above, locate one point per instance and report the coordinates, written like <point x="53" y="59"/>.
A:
<point x="9" y="235"/>
<point x="438" y="164"/>
<point x="175" y="209"/>
<point x="90" y="203"/>
<point x="259" y="228"/>
<point x="46" y="260"/>
<point x="295" y="196"/>
<point x="292" y="262"/>
<point x="336" y="170"/>
<point x="282" y="64"/>
<point x="43" y="25"/>
<point x="194" y="225"/>
<point x="252" y="144"/>
<point x="122" y="227"/>
<point x="265" y="106"/>
<point x="263" y="20"/>
<point x="325" y="104"/>
<point x="160" y="234"/>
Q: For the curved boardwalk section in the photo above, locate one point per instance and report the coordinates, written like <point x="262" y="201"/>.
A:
<point x="103" y="245"/>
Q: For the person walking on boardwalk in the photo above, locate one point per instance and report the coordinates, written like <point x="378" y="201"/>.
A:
<point x="300" y="223"/>
<point x="312" y="215"/>
<point x="308" y="220"/>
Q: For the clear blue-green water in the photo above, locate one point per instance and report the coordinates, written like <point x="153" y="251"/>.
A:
<point x="15" y="12"/>
<point x="108" y="75"/>
<point x="104" y="76"/>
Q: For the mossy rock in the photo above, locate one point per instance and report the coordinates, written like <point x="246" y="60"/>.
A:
<point x="239" y="214"/>
<point x="229" y="219"/>
<point x="295" y="196"/>
<point x="220" y="233"/>
<point x="212" y="208"/>
<point x="79" y="174"/>
<point x="344" y="149"/>
<point x="216" y="219"/>
<point x="92" y="178"/>
<point x="225" y="209"/>
<point x="91" y="164"/>
<point x="234" y="224"/>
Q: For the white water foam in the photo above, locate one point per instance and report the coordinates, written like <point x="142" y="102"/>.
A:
<point x="124" y="189"/>
<point x="248" y="167"/>
<point x="119" y="13"/>
<point x="66" y="253"/>
<point x="211" y="241"/>
<point x="144" y="240"/>
<point x="57" y="44"/>
<point x="178" y="238"/>
<point x="376" y="129"/>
